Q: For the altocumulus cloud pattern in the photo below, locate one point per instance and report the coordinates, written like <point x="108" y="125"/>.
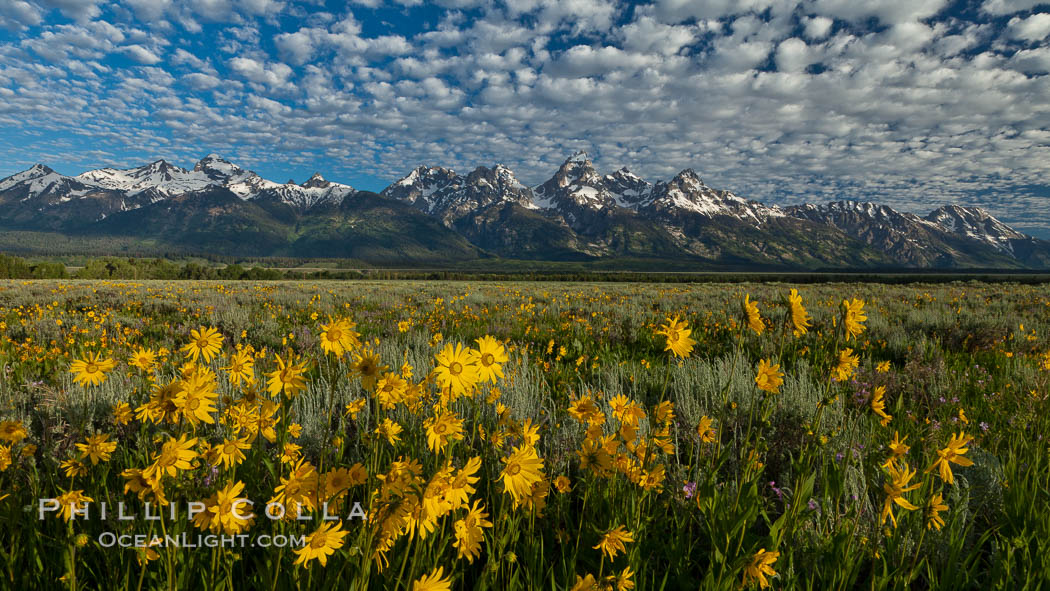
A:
<point x="912" y="103"/>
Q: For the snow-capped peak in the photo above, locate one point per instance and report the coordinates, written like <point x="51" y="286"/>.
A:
<point x="160" y="176"/>
<point x="445" y="194"/>
<point x="976" y="223"/>
<point x="421" y="184"/>
<point x="506" y="177"/>
<point x="37" y="171"/>
<point x="627" y="188"/>
<point x="689" y="177"/>
<point x="217" y="167"/>
<point x="317" y="182"/>
<point x="577" y="188"/>
<point x="40" y="179"/>
<point x="686" y="192"/>
<point x="625" y="173"/>
<point x="580" y="156"/>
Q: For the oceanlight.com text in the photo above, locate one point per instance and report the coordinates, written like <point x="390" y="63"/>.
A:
<point x="185" y="540"/>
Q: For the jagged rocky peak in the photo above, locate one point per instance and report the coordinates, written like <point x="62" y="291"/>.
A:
<point x="317" y="182"/>
<point x="216" y="167"/>
<point x="33" y="172"/>
<point x="426" y="175"/>
<point x="688" y="180"/>
<point x="577" y="169"/>
<point x="421" y="183"/>
<point x="39" y="170"/>
<point x="974" y="222"/>
<point x="159" y="169"/>
<point x="630" y="189"/>
<point x="579" y="156"/>
<point x="626" y="178"/>
<point x="498" y="177"/>
<point x="625" y="174"/>
<point x="574" y="189"/>
<point x="37" y="177"/>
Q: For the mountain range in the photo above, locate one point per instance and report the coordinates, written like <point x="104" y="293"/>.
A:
<point x="436" y="215"/>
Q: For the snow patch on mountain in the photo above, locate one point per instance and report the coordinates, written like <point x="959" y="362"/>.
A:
<point x="160" y="177"/>
<point x="38" y="176"/>
<point x="975" y="223"/>
<point x="160" y="180"/>
<point x="448" y="195"/>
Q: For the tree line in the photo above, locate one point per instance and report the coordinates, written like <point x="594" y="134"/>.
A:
<point x="12" y="267"/>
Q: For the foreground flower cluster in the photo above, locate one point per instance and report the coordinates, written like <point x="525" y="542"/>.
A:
<point x="426" y="464"/>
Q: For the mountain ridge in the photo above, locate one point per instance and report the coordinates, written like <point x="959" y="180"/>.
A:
<point x="577" y="214"/>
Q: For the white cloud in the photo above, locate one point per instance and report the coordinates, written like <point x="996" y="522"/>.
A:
<point x="78" y="10"/>
<point x="818" y="27"/>
<point x="1009" y="6"/>
<point x="583" y="60"/>
<point x="183" y="57"/>
<point x="738" y="57"/>
<point x="274" y="74"/>
<point x="201" y="81"/>
<point x="579" y="16"/>
<point x="1032" y="61"/>
<point x="388" y="45"/>
<point x="908" y="36"/>
<point x="1033" y="28"/>
<point x="213" y="10"/>
<point x="157" y="76"/>
<point x="950" y="45"/>
<point x="646" y="35"/>
<point x="889" y="12"/>
<point x="149" y="10"/>
<point x="140" y="54"/>
<point x="793" y="55"/>
<point x="18" y="14"/>
<point x="675" y="11"/>
<point x="297" y="47"/>
<point x="272" y="107"/>
<point x="233" y="11"/>
<point x="260" y="7"/>
<point x="59" y="43"/>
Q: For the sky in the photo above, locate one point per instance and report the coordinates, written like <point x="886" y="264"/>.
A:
<point x="910" y="103"/>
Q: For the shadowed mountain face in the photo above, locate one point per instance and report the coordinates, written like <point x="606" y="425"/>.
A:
<point x="435" y="215"/>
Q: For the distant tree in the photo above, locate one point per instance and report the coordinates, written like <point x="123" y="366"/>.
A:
<point x="14" y="268"/>
<point x="49" y="271"/>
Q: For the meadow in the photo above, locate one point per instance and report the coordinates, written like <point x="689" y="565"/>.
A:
<point x="500" y="435"/>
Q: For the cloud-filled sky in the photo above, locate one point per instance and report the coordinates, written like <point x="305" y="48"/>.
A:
<point x="912" y="103"/>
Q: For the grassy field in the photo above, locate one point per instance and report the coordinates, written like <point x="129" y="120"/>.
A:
<point x="498" y="435"/>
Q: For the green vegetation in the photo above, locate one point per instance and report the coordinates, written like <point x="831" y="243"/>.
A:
<point x="778" y="447"/>
<point x="620" y="270"/>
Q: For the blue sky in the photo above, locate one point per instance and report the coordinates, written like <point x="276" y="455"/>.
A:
<point x="912" y="103"/>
